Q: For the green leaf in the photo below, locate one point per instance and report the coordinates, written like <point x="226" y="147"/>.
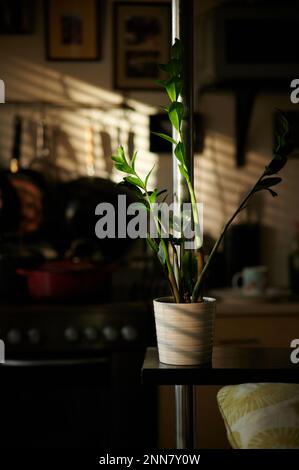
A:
<point x="165" y="137"/>
<point x="134" y="189"/>
<point x="117" y="159"/>
<point x="174" y="88"/>
<point x="276" y="164"/>
<point x="133" y="160"/>
<point x="162" y="83"/>
<point x="153" y="196"/>
<point x="135" y="181"/>
<point x="121" y="162"/>
<point x="152" y="244"/>
<point x="174" y="119"/>
<point x="124" y="167"/>
<point x="283" y="123"/>
<point x="283" y="148"/>
<point x="121" y="153"/>
<point x="267" y="183"/>
<point x="176" y="112"/>
<point x="280" y="141"/>
<point x="273" y="193"/>
<point x="184" y="171"/>
<point x="173" y="68"/>
<point x="128" y="169"/>
<point x="177" y="50"/>
<point x="165" y="197"/>
<point x="171" y="90"/>
<point x="162" y="192"/>
<point x="147" y="176"/>
<point x="161" y="254"/>
<point x="180" y="152"/>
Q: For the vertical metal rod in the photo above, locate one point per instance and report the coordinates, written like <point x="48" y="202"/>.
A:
<point x="186" y="19"/>
<point x="182" y="28"/>
<point x="177" y="181"/>
<point x="184" y="416"/>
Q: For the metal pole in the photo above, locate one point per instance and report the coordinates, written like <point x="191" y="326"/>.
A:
<point x="184" y="416"/>
<point x="182" y="28"/>
<point x="176" y="176"/>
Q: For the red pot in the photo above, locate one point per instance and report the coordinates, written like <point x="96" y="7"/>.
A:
<point x="66" y="280"/>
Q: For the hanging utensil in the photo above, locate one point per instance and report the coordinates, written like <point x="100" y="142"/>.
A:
<point x="90" y="157"/>
<point x="42" y="140"/>
<point x="16" y="150"/>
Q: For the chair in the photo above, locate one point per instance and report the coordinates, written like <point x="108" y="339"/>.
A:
<point x="261" y="415"/>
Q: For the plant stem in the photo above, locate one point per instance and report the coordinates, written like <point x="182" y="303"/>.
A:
<point x="177" y="268"/>
<point x="171" y="275"/>
<point x="195" y="293"/>
<point x="198" y="241"/>
<point x="170" y="272"/>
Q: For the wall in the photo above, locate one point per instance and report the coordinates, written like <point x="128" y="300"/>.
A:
<point x="31" y="49"/>
<point x="83" y="139"/>
<point x="221" y="185"/>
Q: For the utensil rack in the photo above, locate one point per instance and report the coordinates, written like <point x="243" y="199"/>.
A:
<point x="69" y="105"/>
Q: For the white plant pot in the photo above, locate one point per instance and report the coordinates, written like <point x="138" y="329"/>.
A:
<point x="185" y="331"/>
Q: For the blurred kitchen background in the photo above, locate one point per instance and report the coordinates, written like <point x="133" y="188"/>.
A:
<point x="75" y="311"/>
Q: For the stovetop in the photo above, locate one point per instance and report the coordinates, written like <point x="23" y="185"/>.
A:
<point x="75" y="329"/>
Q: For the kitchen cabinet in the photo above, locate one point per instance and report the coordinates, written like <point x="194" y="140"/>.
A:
<point x="249" y="323"/>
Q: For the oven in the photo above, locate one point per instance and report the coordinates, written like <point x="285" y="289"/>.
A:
<point x="71" y="377"/>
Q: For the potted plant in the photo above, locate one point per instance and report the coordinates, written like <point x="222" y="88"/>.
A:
<point x="185" y="320"/>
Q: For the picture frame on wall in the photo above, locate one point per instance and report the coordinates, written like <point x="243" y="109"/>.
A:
<point x="17" y="16"/>
<point x="72" y="30"/>
<point x="142" y="38"/>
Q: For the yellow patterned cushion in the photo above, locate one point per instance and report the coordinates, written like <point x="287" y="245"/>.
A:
<point x="261" y="416"/>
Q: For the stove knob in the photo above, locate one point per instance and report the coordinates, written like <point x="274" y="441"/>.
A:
<point x="71" y="334"/>
<point x="129" y="333"/>
<point x="14" y="336"/>
<point x="33" y="336"/>
<point x="110" y="333"/>
<point x="90" y="333"/>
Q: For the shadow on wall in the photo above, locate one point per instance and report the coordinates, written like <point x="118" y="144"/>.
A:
<point x="86" y="123"/>
<point x="220" y="185"/>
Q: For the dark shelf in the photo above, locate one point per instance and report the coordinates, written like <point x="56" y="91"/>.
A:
<point x="229" y="366"/>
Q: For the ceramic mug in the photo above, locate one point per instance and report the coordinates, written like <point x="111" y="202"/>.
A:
<point x="253" y="280"/>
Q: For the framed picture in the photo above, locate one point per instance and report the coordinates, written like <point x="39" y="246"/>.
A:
<point x="17" y="16"/>
<point x="142" y="39"/>
<point x="72" y="29"/>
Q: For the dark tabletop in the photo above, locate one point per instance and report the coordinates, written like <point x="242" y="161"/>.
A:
<point x="229" y="366"/>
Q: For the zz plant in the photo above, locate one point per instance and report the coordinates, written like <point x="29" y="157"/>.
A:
<point x="186" y="269"/>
